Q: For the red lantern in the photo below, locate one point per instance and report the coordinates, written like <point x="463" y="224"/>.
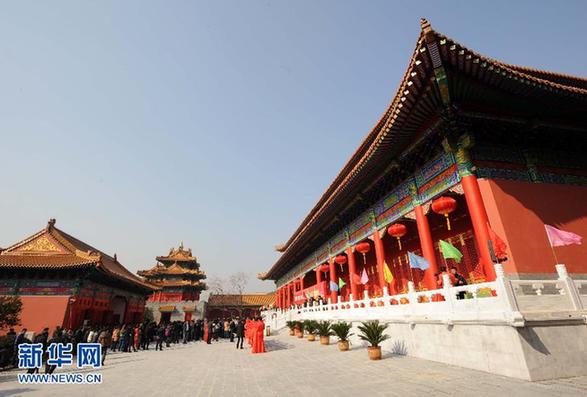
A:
<point x="397" y="230"/>
<point x="323" y="268"/>
<point x="341" y="260"/>
<point x="444" y="205"/>
<point x="363" y="248"/>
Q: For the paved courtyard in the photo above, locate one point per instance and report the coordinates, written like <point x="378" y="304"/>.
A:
<point x="292" y="367"/>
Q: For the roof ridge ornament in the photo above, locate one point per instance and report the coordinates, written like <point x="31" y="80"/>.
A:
<point x="51" y="224"/>
<point x="425" y="25"/>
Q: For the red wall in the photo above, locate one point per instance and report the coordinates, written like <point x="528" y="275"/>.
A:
<point x="42" y="311"/>
<point x="517" y="212"/>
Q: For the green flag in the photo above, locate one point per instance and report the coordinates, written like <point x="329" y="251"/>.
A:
<point x="449" y="251"/>
<point x="341" y="283"/>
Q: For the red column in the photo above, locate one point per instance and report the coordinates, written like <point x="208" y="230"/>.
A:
<point x="427" y="247"/>
<point x="352" y="273"/>
<point x="479" y="220"/>
<point x="283" y="297"/>
<point x="318" y="279"/>
<point x="380" y="255"/>
<point x="332" y="268"/>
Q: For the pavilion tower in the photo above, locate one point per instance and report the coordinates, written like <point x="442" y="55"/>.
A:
<point x="179" y="279"/>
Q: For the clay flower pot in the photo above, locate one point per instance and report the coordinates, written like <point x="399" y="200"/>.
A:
<point x="374" y="352"/>
<point x="292" y="332"/>
<point x="300" y="334"/>
<point x="343" y="345"/>
<point x="311" y="338"/>
<point x="325" y="340"/>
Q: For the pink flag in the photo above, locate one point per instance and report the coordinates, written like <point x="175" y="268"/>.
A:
<point x="559" y="237"/>
<point x="364" y="277"/>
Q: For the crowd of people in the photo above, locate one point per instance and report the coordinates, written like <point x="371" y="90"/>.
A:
<point x="134" y="337"/>
<point x="251" y="329"/>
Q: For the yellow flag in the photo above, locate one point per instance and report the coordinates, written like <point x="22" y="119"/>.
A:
<point x="387" y="273"/>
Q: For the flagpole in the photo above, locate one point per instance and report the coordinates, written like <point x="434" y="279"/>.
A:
<point x="554" y="254"/>
<point x="394" y="273"/>
<point x="411" y="271"/>
<point x="551" y="246"/>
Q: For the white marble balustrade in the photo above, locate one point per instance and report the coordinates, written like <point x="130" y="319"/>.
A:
<point x="498" y="302"/>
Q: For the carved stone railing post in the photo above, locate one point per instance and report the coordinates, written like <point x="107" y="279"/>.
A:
<point x="448" y="294"/>
<point x="412" y="295"/>
<point x="570" y="286"/>
<point x="505" y="292"/>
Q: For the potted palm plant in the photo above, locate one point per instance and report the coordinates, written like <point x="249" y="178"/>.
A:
<point x="299" y="329"/>
<point x="291" y="325"/>
<point x="373" y="333"/>
<point x="342" y="331"/>
<point x="310" y="327"/>
<point x="325" y="331"/>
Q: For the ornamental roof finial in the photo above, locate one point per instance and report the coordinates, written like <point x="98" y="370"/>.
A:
<point x="51" y="223"/>
<point x="424" y="24"/>
<point x="427" y="32"/>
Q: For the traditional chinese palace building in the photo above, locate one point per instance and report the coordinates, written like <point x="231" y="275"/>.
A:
<point x="65" y="282"/>
<point x="235" y="305"/>
<point x="179" y="279"/>
<point x="469" y="148"/>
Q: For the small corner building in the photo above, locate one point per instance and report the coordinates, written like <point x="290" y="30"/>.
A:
<point x="64" y="282"/>
<point x="179" y="282"/>
<point x="234" y="305"/>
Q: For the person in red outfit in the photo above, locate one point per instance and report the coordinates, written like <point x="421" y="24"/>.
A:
<point x="206" y="334"/>
<point x="258" y="337"/>
<point x="248" y="331"/>
<point x="137" y="335"/>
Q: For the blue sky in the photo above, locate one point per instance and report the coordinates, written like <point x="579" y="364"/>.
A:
<point x="139" y="124"/>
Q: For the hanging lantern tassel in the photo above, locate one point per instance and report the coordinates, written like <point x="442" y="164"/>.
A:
<point x="363" y="248"/>
<point x="341" y="260"/>
<point x="397" y="230"/>
<point x="444" y="205"/>
<point x="447" y="221"/>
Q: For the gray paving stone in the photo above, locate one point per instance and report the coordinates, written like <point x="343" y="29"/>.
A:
<point x="292" y="366"/>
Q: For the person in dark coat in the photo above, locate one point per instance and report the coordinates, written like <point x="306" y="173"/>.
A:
<point x="57" y="338"/>
<point x="232" y="329"/>
<point x="20" y="339"/>
<point x="160" y="336"/>
<point x="240" y="333"/>
<point x="43" y="339"/>
<point x="210" y="332"/>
